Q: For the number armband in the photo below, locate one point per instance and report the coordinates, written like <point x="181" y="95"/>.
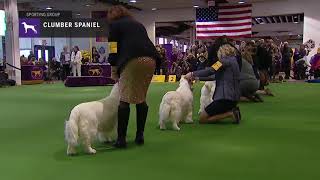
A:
<point x="113" y="47"/>
<point x="216" y="66"/>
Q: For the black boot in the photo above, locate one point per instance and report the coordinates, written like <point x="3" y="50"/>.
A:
<point x="123" y="118"/>
<point x="142" y="112"/>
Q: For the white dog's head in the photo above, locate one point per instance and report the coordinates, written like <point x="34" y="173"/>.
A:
<point x="24" y="23"/>
<point x="186" y="83"/>
<point x="209" y="85"/>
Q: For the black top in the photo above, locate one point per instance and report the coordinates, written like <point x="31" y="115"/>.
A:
<point x="132" y="42"/>
<point x="263" y="58"/>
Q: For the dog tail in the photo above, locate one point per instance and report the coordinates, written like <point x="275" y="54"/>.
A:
<point x="71" y="130"/>
<point x="164" y="111"/>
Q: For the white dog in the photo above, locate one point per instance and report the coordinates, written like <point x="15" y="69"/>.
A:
<point x="26" y="27"/>
<point x="207" y="92"/>
<point x="91" y="121"/>
<point x="176" y="106"/>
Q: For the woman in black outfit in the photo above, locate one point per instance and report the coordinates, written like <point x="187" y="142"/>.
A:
<point x="133" y="58"/>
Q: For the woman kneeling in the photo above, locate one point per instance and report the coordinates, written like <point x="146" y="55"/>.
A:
<point x="227" y="94"/>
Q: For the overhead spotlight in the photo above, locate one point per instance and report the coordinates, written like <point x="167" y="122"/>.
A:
<point x="48" y="8"/>
<point x="133" y="1"/>
<point x="154" y="9"/>
<point x="241" y="2"/>
<point x="88" y="5"/>
<point x="78" y="14"/>
<point x="195" y="6"/>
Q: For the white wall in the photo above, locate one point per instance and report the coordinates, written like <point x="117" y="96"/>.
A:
<point x="149" y="18"/>
<point x="83" y="43"/>
<point x="311" y="11"/>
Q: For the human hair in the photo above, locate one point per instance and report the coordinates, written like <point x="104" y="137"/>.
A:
<point x="117" y="12"/>
<point x="226" y="51"/>
<point x="247" y="54"/>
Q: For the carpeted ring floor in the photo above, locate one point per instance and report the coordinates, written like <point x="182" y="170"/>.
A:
<point x="278" y="139"/>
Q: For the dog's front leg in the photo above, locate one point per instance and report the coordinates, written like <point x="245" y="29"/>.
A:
<point x="87" y="145"/>
<point x="71" y="150"/>
<point x="189" y="116"/>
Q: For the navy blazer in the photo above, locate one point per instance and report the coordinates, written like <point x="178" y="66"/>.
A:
<point x="227" y="79"/>
<point x="132" y="42"/>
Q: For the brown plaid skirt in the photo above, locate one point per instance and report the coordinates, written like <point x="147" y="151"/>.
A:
<point x="135" y="80"/>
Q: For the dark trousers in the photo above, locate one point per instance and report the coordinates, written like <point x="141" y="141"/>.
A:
<point x="286" y="68"/>
<point x="65" y="71"/>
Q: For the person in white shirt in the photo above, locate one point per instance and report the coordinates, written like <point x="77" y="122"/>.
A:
<point x="76" y="58"/>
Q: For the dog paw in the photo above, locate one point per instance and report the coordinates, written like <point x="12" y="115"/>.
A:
<point x="189" y="121"/>
<point x="176" y="128"/>
<point x="162" y="126"/>
<point x="91" y="151"/>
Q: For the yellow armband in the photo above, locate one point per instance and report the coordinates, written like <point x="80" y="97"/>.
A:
<point x="216" y="66"/>
<point x="113" y="47"/>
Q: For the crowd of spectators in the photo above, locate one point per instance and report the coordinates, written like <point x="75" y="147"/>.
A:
<point x="269" y="59"/>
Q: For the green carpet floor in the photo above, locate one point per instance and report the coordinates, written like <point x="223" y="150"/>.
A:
<point x="278" y="139"/>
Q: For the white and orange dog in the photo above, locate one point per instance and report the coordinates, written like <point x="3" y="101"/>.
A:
<point x="176" y="106"/>
<point x="207" y="92"/>
<point x="91" y="121"/>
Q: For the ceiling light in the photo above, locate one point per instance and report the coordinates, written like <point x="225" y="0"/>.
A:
<point x="295" y="22"/>
<point x="153" y="9"/>
<point x="48" y="8"/>
<point x="195" y="6"/>
<point x="88" y="5"/>
<point x="78" y="14"/>
<point x="133" y="1"/>
<point x="241" y="2"/>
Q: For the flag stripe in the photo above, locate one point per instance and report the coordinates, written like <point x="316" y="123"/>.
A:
<point x="225" y="31"/>
<point x="224" y="25"/>
<point x="225" y="22"/>
<point x="234" y="6"/>
<point x="224" y="34"/>
<point x="235" y="9"/>
<point x="236" y="18"/>
<point x="223" y="28"/>
<point x="213" y="37"/>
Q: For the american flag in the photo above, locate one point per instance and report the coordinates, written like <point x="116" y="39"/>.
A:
<point x="233" y="21"/>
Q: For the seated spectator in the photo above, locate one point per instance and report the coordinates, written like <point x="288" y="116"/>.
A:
<point x="31" y="56"/>
<point x="192" y="60"/>
<point x="315" y="64"/>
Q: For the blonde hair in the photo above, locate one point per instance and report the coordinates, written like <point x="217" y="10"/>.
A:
<point x="226" y="50"/>
<point x="318" y="50"/>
